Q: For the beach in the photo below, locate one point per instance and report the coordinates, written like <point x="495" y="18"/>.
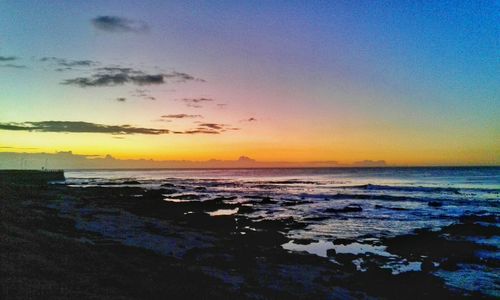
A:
<point x="252" y="234"/>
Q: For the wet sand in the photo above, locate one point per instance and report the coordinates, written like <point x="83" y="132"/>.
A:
<point x="128" y="243"/>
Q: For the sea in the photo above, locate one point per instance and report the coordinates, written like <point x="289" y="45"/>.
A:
<point x="405" y="191"/>
<point x="358" y="204"/>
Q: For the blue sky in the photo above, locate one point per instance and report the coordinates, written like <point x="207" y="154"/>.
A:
<point x="326" y="73"/>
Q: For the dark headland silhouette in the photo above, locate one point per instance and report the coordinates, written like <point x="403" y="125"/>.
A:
<point x="69" y="160"/>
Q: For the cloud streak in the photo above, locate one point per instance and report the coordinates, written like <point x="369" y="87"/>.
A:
<point x="113" y="76"/>
<point x="68" y="64"/>
<point x="181" y="116"/>
<point x="7" y="58"/>
<point x="13" y="66"/>
<point x="115" y="24"/>
<point x="207" y="128"/>
<point x="87" y="127"/>
<point x="196" y="102"/>
<point x="251" y="119"/>
<point x="80" y="127"/>
<point x="143" y="94"/>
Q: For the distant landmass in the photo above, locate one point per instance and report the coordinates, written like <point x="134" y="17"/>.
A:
<point x="69" y="160"/>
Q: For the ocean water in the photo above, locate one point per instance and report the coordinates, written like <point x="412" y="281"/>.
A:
<point x="393" y="201"/>
<point x="383" y="202"/>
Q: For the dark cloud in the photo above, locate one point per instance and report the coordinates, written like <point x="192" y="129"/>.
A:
<point x="197" y="131"/>
<point x="252" y="119"/>
<point x="87" y="127"/>
<point x="148" y="79"/>
<point x="79" y="127"/>
<point x="196" y="102"/>
<point x="118" y="24"/>
<point x="7" y="58"/>
<point x="111" y="76"/>
<point x="212" y="125"/>
<point x="97" y="80"/>
<point x="182" y="77"/>
<point x="207" y="128"/>
<point x="181" y="116"/>
<point x="68" y="64"/>
<point x="14" y="66"/>
<point x="144" y="94"/>
<point x="215" y="126"/>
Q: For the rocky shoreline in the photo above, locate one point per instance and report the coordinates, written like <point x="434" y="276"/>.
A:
<point x="60" y="241"/>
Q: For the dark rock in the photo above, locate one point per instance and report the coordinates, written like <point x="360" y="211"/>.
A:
<point x="294" y="202"/>
<point x="220" y="199"/>
<point x="427" y="266"/>
<point x="479" y="218"/>
<point x="304" y="241"/>
<point x="472" y="229"/>
<point x="435" y="204"/>
<point x="316" y="218"/>
<point x="347" y="209"/>
<point x="331" y="252"/>
<point x="131" y="182"/>
<point x="168" y="191"/>
<point x="267" y="200"/>
<point x="437" y="246"/>
<point x="449" y="265"/>
<point x="343" y="241"/>
<point x="187" y="197"/>
<point x="245" y="209"/>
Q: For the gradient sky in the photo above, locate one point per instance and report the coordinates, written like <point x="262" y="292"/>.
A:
<point x="409" y="82"/>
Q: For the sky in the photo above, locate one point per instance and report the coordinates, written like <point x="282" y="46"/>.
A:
<point x="406" y="82"/>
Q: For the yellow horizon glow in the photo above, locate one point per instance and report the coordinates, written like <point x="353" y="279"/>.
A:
<point x="417" y="150"/>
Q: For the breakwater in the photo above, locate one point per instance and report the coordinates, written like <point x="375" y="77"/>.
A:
<point x="31" y="176"/>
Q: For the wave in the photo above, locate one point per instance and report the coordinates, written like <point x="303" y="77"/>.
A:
<point x="424" y="189"/>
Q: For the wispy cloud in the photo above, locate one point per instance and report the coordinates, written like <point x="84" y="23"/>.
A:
<point x="251" y="119"/>
<point x="87" y="127"/>
<point x="64" y="64"/>
<point x="215" y="126"/>
<point x="212" y="125"/>
<point x="196" y="131"/>
<point x="4" y="59"/>
<point x="112" y="76"/>
<point x="8" y="58"/>
<point x="69" y="62"/>
<point x="13" y="66"/>
<point x="181" y="116"/>
<point x="117" y="24"/>
<point x="143" y="94"/>
<point x="80" y="127"/>
<point x="196" y="102"/>
<point x="17" y="148"/>
<point x="181" y="77"/>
